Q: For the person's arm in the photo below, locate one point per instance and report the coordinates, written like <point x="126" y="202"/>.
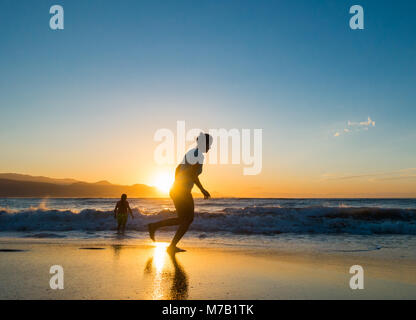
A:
<point x="204" y="192"/>
<point x="131" y="212"/>
<point x="198" y="170"/>
<point x="115" y="210"/>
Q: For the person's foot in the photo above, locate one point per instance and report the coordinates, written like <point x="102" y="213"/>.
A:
<point x="152" y="230"/>
<point x="174" y="249"/>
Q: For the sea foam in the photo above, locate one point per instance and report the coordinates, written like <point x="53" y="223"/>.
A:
<point x="264" y="220"/>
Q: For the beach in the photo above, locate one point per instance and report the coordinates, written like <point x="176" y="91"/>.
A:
<point x="126" y="268"/>
<point x="269" y="144"/>
<point x="236" y="249"/>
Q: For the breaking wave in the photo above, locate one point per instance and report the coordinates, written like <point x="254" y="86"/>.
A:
<point x="264" y="220"/>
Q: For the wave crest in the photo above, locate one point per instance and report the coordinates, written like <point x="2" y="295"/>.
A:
<point x="250" y="220"/>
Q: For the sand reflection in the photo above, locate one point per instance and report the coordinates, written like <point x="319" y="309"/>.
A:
<point x="170" y="282"/>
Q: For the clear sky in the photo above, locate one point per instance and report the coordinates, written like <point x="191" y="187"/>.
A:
<point x="85" y="102"/>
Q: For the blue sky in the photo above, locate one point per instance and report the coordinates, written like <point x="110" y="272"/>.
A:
<point x="120" y="70"/>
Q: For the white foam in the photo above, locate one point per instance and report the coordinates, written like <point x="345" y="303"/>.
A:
<point x="250" y="220"/>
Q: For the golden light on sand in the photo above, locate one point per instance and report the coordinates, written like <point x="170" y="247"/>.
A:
<point x="159" y="255"/>
<point x="163" y="181"/>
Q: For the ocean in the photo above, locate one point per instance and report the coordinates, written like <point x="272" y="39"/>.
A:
<point x="232" y="216"/>
<point x="373" y="232"/>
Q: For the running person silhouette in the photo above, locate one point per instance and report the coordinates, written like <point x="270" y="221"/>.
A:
<point x="186" y="175"/>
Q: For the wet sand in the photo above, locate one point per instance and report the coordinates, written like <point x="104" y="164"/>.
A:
<point x="141" y="270"/>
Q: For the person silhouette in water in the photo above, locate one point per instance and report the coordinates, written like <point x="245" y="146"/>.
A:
<point x="186" y="175"/>
<point x="120" y="213"/>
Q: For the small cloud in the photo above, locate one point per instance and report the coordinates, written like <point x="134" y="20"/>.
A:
<point x="368" y="123"/>
<point x="354" y="126"/>
<point x="402" y="174"/>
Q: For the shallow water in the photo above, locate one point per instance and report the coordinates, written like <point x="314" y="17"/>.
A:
<point x="271" y="217"/>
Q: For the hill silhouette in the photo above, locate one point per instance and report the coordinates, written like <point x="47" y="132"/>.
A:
<point x="16" y="185"/>
<point x="26" y="177"/>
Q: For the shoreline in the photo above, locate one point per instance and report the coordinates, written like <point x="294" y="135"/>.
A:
<point x="100" y="269"/>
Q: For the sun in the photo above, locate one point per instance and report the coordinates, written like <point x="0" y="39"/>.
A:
<point x="163" y="181"/>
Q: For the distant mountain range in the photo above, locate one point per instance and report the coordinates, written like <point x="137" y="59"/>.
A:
<point x="19" y="185"/>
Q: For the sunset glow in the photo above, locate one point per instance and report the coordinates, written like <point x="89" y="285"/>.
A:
<point x="163" y="181"/>
<point x="331" y="126"/>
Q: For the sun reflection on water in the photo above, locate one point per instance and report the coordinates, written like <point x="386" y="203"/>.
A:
<point x="159" y="257"/>
<point x="168" y="283"/>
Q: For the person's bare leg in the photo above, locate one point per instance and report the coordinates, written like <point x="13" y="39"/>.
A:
<point x="163" y="223"/>
<point x="166" y="223"/>
<point x="186" y="216"/>
<point x="183" y="227"/>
